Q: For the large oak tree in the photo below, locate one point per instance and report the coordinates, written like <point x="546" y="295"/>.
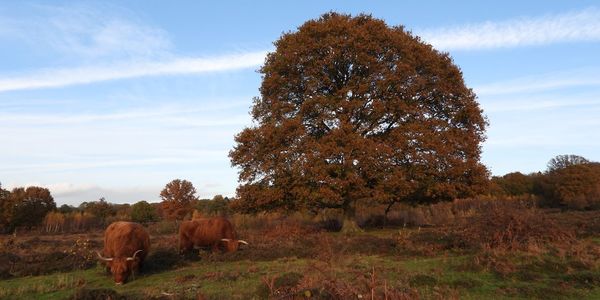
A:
<point x="353" y="110"/>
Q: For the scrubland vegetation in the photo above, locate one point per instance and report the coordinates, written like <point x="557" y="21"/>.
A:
<point x="495" y="247"/>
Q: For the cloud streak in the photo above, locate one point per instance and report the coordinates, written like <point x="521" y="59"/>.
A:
<point x="86" y="31"/>
<point x="97" y="164"/>
<point x="85" y="75"/>
<point x="576" y="26"/>
<point x="541" y="82"/>
<point x="205" y="115"/>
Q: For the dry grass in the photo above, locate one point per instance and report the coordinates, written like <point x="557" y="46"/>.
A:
<point x="509" y="228"/>
<point x="509" y="239"/>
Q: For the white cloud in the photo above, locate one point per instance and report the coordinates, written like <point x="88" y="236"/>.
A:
<point x="537" y="103"/>
<point x="83" y="75"/>
<point x="76" y="193"/>
<point x="98" y="164"/>
<point x="581" y="25"/>
<point x="541" y="82"/>
<point x="108" y="43"/>
<point x="86" y="31"/>
<point x="211" y="115"/>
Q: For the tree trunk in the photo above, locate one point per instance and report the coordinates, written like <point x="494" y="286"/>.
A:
<point x="387" y="210"/>
<point x="350" y="225"/>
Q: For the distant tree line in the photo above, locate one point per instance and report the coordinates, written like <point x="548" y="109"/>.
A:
<point x="570" y="182"/>
<point x="34" y="207"/>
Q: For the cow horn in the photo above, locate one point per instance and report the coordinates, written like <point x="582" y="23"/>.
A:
<point x="225" y="240"/>
<point x="134" y="254"/>
<point x="243" y="242"/>
<point x="102" y="257"/>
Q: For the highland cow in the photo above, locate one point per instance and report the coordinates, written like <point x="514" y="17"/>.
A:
<point x="126" y="245"/>
<point x="214" y="233"/>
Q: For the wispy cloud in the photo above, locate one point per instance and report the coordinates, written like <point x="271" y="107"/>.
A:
<point x="541" y="82"/>
<point x="205" y="115"/>
<point x="581" y="25"/>
<point x="99" y="164"/>
<point x="83" y="75"/>
<point x="86" y="31"/>
<point x="537" y="103"/>
<point x="105" y="43"/>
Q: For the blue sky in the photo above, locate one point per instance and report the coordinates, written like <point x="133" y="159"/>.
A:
<point x="116" y="99"/>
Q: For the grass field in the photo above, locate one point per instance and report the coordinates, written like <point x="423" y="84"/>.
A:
<point x="289" y="260"/>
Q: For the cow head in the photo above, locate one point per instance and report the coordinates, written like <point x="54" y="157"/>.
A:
<point x="233" y="245"/>
<point x="122" y="267"/>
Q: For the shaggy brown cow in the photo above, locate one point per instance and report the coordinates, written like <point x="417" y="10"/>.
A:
<point x="212" y="232"/>
<point x="126" y="245"/>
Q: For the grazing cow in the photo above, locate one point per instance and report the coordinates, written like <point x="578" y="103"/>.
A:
<point x="211" y="232"/>
<point x="126" y="245"/>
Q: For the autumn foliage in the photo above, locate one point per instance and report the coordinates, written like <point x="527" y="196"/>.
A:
<point x="177" y="197"/>
<point x="575" y="186"/>
<point x="24" y="207"/>
<point x="351" y="109"/>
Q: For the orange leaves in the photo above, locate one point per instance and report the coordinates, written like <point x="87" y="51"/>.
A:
<point x="177" y="197"/>
<point x="345" y="102"/>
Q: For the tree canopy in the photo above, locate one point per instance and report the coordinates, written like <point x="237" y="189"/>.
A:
<point x="565" y="160"/>
<point x="24" y="206"/>
<point x="350" y="110"/>
<point x="177" y="197"/>
<point x="575" y="186"/>
<point x="516" y="183"/>
<point x="143" y="212"/>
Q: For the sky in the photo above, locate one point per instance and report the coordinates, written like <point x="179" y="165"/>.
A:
<point x="115" y="99"/>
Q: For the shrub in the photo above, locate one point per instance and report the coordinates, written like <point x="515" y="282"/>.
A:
<point x="163" y="227"/>
<point x="143" y="212"/>
<point x="507" y="228"/>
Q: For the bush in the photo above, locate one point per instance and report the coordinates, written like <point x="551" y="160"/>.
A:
<point x="507" y="228"/>
<point x="163" y="227"/>
<point x="143" y="212"/>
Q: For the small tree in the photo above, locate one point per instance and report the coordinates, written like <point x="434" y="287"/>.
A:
<point x="101" y="209"/>
<point x="143" y="212"/>
<point x="351" y="110"/>
<point x="28" y="206"/>
<point x="563" y="161"/>
<point x="177" y="197"/>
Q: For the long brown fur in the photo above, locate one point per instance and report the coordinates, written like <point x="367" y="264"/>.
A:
<point x="122" y="240"/>
<point x="207" y="232"/>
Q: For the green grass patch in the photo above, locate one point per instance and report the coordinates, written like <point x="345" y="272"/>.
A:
<point x="345" y="271"/>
